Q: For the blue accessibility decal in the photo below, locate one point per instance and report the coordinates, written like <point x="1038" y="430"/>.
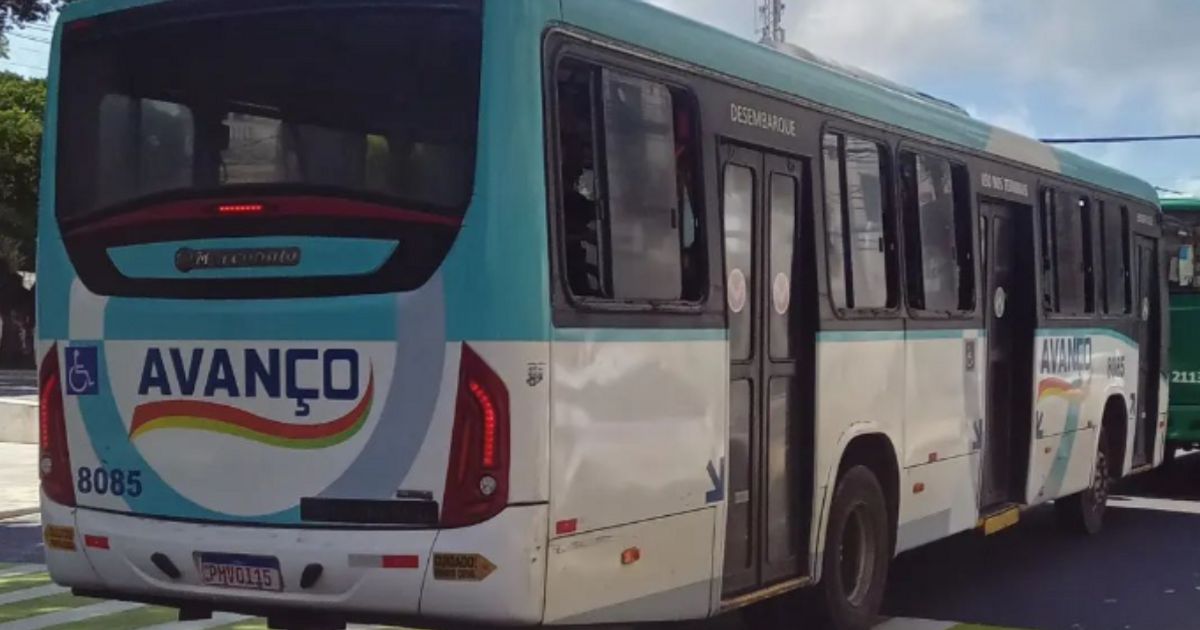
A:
<point x="716" y="475"/>
<point x="83" y="373"/>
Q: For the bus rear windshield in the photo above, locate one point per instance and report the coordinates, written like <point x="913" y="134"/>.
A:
<point x="377" y="101"/>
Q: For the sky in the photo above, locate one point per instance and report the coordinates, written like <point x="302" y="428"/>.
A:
<point x="1045" y="68"/>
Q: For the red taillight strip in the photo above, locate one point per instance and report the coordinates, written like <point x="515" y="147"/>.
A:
<point x="478" y="471"/>
<point x="54" y="454"/>
<point x="281" y="207"/>
<point x="488" y="458"/>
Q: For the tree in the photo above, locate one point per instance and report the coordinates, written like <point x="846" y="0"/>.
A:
<point x="22" y="12"/>
<point x="22" y="102"/>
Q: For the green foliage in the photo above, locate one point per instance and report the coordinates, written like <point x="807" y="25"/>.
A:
<point x="21" y="104"/>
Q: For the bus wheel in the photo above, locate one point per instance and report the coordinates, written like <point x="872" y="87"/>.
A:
<point x="857" y="553"/>
<point x="1083" y="513"/>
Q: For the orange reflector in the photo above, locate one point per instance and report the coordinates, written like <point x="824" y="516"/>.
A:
<point x="59" y="537"/>
<point x="631" y="555"/>
<point x="918" y="488"/>
<point x="95" y="542"/>
<point x="240" y="208"/>
<point x="567" y="526"/>
<point x="400" y="562"/>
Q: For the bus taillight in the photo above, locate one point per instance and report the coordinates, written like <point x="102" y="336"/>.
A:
<point x="241" y="208"/>
<point x="54" y="458"/>
<point x="477" y="474"/>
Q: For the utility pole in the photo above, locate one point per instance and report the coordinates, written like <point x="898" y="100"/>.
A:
<point x="769" y="21"/>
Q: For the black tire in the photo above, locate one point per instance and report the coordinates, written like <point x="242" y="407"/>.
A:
<point x="857" y="554"/>
<point x="1083" y="512"/>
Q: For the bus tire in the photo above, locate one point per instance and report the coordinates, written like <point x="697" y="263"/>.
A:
<point x="1083" y="512"/>
<point x="857" y="553"/>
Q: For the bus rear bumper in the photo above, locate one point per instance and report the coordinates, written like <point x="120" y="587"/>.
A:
<point x="493" y="572"/>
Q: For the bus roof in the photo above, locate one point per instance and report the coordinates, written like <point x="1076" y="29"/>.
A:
<point x="804" y="75"/>
<point x="1180" y="204"/>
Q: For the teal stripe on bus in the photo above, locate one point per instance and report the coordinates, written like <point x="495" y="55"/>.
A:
<point x="896" y="335"/>
<point x="948" y="333"/>
<point x="639" y="334"/>
<point x="860" y="335"/>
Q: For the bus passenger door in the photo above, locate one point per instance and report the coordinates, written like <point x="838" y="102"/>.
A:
<point x="769" y="296"/>
<point x="1147" y="305"/>
<point x="1009" y="290"/>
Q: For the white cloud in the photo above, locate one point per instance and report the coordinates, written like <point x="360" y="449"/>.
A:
<point x="889" y="37"/>
<point x="1017" y="118"/>
<point x="735" y="16"/>
<point x="1038" y="67"/>
<point x="1189" y="186"/>
<point x="1098" y="57"/>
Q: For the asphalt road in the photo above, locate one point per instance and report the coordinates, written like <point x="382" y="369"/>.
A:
<point x="1141" y="573"/>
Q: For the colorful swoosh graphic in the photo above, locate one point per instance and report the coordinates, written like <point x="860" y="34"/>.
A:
<point x="1060" y="388"/>
<point x="217" y="418"/>
<point x="1072" y="392"/>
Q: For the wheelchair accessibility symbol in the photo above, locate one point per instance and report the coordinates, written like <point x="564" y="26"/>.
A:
<point x="82" y="371"/>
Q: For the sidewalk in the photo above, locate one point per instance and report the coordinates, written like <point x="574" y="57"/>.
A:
<point x="18" y="479"/>
<point x="18" y="407"/>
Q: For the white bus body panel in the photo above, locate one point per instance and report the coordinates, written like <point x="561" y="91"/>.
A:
<point x="638" y="434"/>
<point x="871" y="366"/>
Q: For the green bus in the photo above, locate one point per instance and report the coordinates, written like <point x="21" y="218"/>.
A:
<point x="1181" y="228"/>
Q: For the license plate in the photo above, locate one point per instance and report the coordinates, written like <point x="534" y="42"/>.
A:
<point x="231" y="570"/>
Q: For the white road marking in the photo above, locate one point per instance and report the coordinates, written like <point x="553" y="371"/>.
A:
<point x="31" y="593"/>
<point x="903" y="623"/>
<point x="22" y="569"/>
<point x="218" y="619"/>
<point x="1164" y="505"/>
<point x="69" y="616"/>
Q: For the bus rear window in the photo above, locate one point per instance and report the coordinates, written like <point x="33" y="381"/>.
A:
<point x="376" y="101"/>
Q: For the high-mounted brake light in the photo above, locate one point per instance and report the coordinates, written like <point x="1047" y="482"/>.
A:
<point x="54" y="458"/>
<point x="240" y="208"/>
<point x="477" y="474"/>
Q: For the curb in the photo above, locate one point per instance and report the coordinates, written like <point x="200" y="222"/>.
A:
<point x="6" y="515"/>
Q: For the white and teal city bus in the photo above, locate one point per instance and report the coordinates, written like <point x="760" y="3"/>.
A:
<point x="555" y="312"/>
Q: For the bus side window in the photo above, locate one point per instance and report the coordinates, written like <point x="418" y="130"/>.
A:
<point x="1115" y="235"/>
<point x="858" y="218"/>
<point x="1070" y="257"/>
<point x="1049" y="278"/>
<point x="937" y="228"/>
<point x="631" y="220"/>
<point x="1086" y="215"/>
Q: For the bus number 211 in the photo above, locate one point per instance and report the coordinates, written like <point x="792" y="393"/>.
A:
<point x="1184" y="376"/>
